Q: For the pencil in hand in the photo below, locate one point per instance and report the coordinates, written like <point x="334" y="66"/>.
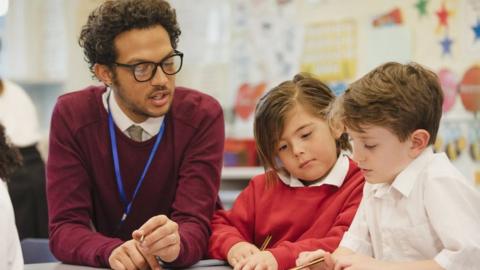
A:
<point x="319" y="260"/>
<point x="266" y="242"/>
<point x="139" y="235"/>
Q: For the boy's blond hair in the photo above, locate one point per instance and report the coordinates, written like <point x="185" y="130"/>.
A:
<point x="272" y="109"/>
<point x="399" y="97"/>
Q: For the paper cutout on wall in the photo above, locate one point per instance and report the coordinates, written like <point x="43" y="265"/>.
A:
<point x="421" y="5"/>
<point x="475" y="142"/>
<point x="449" y="84"/>
<point x="247" y="97"/>
<point x="338" y="88"/>
<point x="330" y="50"/>
<point x="470" y="89"/>
<point x="446" y="43"/>
<point x="394" y="17"/>
<point x="476" y="30"/>
<point x="442" y="15"/>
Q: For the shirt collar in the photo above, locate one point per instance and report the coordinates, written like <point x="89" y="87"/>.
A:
<point x="151" y="126"/>
<point x="406" y="179"/>
<point x="335" y="177"/>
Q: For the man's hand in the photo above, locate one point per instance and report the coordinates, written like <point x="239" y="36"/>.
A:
<point x="263" y="260"/>
<point x="159" y="236"/>
<point x="129" y="256"/>
<point x="240" y="251"/>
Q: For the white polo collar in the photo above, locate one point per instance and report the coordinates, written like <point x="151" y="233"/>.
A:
<point x="335" y="177"/>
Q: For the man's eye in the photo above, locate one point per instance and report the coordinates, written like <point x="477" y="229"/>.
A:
<point x="142" y="68"/>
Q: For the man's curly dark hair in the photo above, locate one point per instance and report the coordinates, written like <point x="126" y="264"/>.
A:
<point x="117" y="16"/>
<point x="9" y="156"/>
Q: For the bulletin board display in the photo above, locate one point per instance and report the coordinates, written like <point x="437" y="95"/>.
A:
<point x="330" y="50"/>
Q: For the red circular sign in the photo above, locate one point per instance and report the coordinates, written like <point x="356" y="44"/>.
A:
<point x="470" y="89"/>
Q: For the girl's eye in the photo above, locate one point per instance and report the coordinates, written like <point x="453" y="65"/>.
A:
<point x="370" y="146"/>
<point x="282" y="147"/>
<point x="306" y="135"/>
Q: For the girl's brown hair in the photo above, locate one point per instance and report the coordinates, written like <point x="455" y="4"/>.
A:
<point x="273" y="107"/>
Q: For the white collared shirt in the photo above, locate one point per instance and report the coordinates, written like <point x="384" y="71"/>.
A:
<point x="335" y="177"/>
<point x="428" y="212"/>
<point x="151" y="126"/>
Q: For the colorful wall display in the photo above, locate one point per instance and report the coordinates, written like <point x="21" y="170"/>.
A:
<point x="470" y="89"/>
<point x="330" y="50"/>
<point x="449" y="84"/>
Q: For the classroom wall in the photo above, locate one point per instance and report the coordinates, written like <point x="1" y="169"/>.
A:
<point x="235" y="50"/>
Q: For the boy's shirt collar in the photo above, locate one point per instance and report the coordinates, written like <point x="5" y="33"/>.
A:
<point x="406" y="179"/>
<point x="335" y="177"/>
<point x="151" y="126"/>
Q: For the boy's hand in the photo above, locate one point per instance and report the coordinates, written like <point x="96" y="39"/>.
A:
<point x="263" y="260"/>
<point x="240" y="251"/>
<point x="308" y="256"/>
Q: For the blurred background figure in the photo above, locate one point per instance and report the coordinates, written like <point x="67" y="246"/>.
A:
<point x="10" y="251"/>
<point x="27" y="188"/>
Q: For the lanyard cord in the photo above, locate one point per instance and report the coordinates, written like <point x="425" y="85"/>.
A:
<point x="127" y="205"/>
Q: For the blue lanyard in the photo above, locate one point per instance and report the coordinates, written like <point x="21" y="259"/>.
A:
<point x="128" y="204"/>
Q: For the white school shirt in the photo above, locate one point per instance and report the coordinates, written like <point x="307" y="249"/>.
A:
<point x="151" y="126"/>
<point x="10" y="251"/>
<point x="428" y="212"/>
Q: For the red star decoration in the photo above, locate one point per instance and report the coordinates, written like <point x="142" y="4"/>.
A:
<point x="443" y="16"/>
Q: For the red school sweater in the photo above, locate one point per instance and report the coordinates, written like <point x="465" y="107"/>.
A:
<point x="298" y="218"/>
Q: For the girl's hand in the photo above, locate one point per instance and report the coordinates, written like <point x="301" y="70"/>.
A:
<point x="263" y="260"/>
<point x="241" y="251"/>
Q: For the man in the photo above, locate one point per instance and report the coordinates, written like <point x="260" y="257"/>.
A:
<point x="110" y="180"/>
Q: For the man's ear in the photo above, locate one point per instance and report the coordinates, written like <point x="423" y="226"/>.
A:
<point x="103" y="73"/>
<point x="419" y="141"/>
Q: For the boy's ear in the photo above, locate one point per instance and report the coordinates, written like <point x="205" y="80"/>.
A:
<point x="419" y="141"/>
<point x="103" y="73"/>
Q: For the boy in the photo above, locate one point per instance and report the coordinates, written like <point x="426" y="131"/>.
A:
<point x="417" y="212"/>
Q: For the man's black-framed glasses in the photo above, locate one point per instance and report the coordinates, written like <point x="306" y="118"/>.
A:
<point x="144" y="71"/>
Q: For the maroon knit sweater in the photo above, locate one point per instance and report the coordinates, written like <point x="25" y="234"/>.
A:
<point x="182" y="181"/>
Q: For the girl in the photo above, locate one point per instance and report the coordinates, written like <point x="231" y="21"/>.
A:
<point x="10" y="251"/>
<point x="309" y="193"/>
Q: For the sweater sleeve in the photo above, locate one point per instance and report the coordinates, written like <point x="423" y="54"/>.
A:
<point x="233" y="226"/>
<point x="197" y="190"/>
<point x="72" y="239"/>
<point x="286" y="252"/>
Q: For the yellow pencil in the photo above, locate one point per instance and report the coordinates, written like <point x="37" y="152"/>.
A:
<point x="308" y="264"/>
<point x="266" y="242"/>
